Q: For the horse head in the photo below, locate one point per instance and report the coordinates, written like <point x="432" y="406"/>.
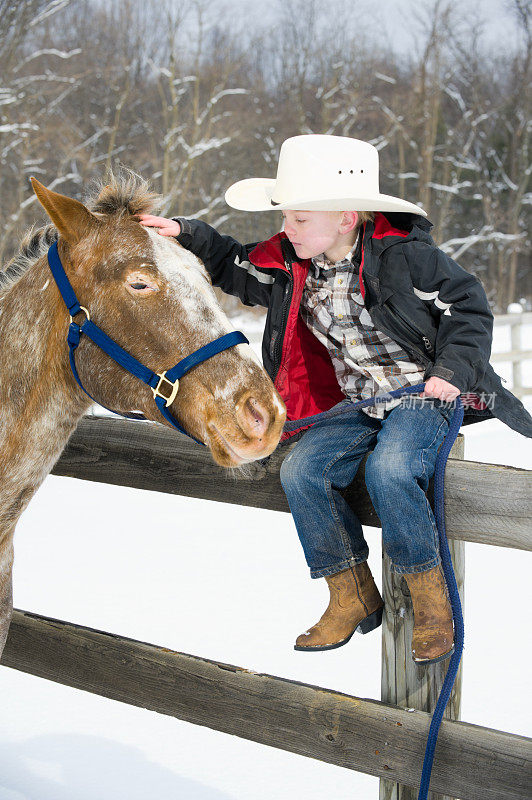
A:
<point x="156" y="300"/>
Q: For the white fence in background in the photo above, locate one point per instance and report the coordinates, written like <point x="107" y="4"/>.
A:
<point x="518" y="352"/>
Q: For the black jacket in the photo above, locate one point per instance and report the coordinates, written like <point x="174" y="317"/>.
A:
<point x="414" y="293"/>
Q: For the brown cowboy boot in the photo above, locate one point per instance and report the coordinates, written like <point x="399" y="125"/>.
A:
<point x="355" y="602"/>
<point x="433" y="634"/>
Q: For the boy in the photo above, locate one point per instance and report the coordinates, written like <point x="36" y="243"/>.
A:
<point x="360" y="301"/>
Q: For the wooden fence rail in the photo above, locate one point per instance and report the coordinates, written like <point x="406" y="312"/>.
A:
<point x="471" y="762"/>
<point x="485" y="503"/>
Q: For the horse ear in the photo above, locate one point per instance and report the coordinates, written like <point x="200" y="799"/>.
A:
<point x="72" y="219"/>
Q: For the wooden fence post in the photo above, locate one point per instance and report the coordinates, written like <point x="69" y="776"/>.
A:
<point x="403" y="683"/>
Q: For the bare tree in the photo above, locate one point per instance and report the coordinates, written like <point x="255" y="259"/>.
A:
<point x="194" y="102"/>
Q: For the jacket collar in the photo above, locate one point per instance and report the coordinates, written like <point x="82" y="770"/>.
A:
<point x="277" y="253"/>
<point x="389" y="229"/>
<point x="268" y="254"/>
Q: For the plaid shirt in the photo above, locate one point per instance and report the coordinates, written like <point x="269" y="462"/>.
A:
<point x="366" y="361"/>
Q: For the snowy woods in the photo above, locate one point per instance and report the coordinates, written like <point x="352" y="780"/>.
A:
<point x="194" y="96"/>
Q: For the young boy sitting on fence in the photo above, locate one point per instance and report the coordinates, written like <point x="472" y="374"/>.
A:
<point x="360" y="302"/>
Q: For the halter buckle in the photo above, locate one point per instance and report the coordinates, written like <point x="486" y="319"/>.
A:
<point x="81" y="308"/>
<point x="173" y="392"/>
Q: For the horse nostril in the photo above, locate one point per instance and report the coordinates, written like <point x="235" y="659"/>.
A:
<point x="257" y="414"/>
<point x="252" y="416"/>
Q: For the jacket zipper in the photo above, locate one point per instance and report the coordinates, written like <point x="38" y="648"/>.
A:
<point x="427" y="344"/>
<point x="403" y="339"/>
<point x="287" y="302"/>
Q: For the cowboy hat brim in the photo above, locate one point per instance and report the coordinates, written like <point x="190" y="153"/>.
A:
<point x="255" y="194"/>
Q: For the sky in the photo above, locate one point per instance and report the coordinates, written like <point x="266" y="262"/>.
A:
<point x="393" y="19"/>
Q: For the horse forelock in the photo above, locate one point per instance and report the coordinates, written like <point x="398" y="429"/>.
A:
<point x="125" y="193"/>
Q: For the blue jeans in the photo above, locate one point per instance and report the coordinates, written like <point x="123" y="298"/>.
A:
<point x="405" y="445"/>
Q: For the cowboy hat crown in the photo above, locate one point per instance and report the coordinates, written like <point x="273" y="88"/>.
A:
<point x="320" y="173"/>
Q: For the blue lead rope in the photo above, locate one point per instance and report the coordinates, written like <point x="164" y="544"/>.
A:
<point x="454" y="598"/>
<point x="447" y="564"/>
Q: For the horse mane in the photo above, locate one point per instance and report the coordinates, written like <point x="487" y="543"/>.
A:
<point x="34" y="244"/>
<point x="123" y="193"/>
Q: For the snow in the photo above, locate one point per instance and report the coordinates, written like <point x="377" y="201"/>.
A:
<point x="385" y="78"/>
<point x="51" y="9"/>
<point x="227" y="583"/>
<point x="48" y="52"/>
<point x="454" y="189"/>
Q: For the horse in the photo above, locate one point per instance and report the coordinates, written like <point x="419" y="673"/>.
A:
<point x="156" y="300"/>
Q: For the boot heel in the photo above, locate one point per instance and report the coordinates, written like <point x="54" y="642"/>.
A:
<point x="371" y="622"/>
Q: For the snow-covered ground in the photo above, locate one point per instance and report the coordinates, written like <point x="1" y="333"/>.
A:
<point x="228" y="583"/>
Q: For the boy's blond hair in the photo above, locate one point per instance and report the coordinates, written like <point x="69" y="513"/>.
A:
<point x="365" y="216"/>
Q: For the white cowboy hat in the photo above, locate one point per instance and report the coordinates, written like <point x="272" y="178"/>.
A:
<point x="320" y="173"/>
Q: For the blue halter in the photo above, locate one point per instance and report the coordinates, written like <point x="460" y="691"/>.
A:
<point x="164" y="385"/>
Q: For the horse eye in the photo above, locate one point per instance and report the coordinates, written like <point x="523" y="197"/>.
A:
<point x="138" y="285"/>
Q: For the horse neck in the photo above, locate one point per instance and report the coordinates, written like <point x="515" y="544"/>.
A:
<point x="40" y="405"/>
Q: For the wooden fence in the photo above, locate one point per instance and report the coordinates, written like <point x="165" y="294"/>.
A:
<point x="484" y="503"/>
<point x="518" y="352"/>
